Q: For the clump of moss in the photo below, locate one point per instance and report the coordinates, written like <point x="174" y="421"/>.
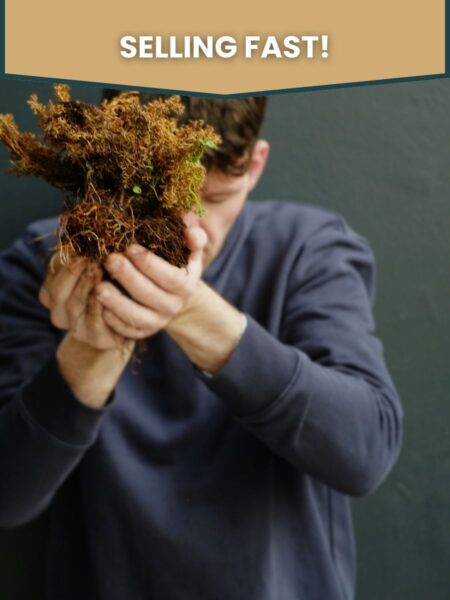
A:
<point x="129" y="170"/>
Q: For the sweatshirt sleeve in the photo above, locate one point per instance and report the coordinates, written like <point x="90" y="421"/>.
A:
<point x="319" y="393"/>
<point x="44" y="429"/>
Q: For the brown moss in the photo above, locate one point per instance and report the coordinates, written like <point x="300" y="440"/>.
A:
<point x="130" y="171"/>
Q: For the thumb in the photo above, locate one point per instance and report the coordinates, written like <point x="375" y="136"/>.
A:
<point x="195" y="239"/>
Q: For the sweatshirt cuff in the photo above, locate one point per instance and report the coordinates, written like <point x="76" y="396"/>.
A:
<point x="257" y="373"/>
<point x="50" y="402"/>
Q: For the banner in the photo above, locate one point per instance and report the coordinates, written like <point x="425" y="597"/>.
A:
<point x="231" y="48"/>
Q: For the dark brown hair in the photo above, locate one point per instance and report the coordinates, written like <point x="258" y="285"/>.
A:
<point x="237" y="121"/>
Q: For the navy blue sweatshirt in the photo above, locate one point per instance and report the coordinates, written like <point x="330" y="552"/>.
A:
<point x="184" y="487"/>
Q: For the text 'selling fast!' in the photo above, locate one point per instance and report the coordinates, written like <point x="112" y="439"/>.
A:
<point x="225" y="46"/>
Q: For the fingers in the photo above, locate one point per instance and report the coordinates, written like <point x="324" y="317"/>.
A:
<point x="76" y="304"/>
<point x="68" y="293"/>
<point x="127" y="310"/>
<point x="58" y="287"/>
<point x="195" y="238"/>
<point x="164" y="275"/>
<point x="157" y="289"/>
<point x="99" y="312"/>
<point x="59" y="281"/>
<point x="140" y="287"/>
<point x="96" y="331"/>
<point x="123" y="329"/>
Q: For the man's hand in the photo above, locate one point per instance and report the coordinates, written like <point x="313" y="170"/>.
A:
<point x="157" y="290"/>
<point x="91" y="357"/>
<point x="68" y="293"/>
<point x="200" y="321"/>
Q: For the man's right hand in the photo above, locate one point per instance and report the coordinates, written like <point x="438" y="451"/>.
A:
<point x="67" y="292"/>
<point x="91" y="357"/>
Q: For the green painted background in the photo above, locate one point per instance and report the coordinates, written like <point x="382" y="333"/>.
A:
<point x="381" y="156"/>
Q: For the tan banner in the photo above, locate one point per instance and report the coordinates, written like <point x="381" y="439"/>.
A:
<point x="225" y="48"/>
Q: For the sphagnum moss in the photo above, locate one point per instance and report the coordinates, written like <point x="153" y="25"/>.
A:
<point x="129" y="170"/>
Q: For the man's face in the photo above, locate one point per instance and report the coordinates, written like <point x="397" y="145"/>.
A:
<point x="223" y="197"/>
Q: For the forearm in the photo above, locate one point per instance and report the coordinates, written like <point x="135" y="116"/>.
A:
<point x="48" y="425"/>
<point x="44" y="432"/>
<point x="334" y="426"/>
<point x="207" y="329"/>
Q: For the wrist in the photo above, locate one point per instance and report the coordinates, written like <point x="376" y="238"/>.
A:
<point x="92" y="374"/>
<point x="207" y="329"/>
<point x="244" y="325"/>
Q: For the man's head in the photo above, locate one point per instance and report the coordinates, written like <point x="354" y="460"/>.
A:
<point x="234" y="169"/>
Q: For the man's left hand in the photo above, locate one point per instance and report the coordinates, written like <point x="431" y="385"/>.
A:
<point x="157" y="290"/>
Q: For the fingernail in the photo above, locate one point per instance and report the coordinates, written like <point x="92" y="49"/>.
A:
<point x="135" y="249"/>
<point x="103" y="293"/>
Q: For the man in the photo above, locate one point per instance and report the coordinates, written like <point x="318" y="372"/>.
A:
<point x="219" y="467"/>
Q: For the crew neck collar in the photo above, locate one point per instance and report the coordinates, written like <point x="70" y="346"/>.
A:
<point x="229" y="246"/>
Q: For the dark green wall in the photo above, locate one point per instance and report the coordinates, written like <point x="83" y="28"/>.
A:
<point x="380" y="155"/>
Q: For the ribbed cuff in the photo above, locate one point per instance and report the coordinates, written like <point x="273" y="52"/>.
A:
<point x="257" y="372"/>
<point x="50" y="402"/>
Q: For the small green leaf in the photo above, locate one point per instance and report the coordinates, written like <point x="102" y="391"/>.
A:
<point x="207" y="144"/>
<point x="211" y="144"/>
<point x="137" y="189"/>
<point x="149" y="165"/>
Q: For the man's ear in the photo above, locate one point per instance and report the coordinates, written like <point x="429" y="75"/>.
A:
<point x="258" y="161"/>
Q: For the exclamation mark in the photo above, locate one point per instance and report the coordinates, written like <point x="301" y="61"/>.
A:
<point x="324" y="46"/>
